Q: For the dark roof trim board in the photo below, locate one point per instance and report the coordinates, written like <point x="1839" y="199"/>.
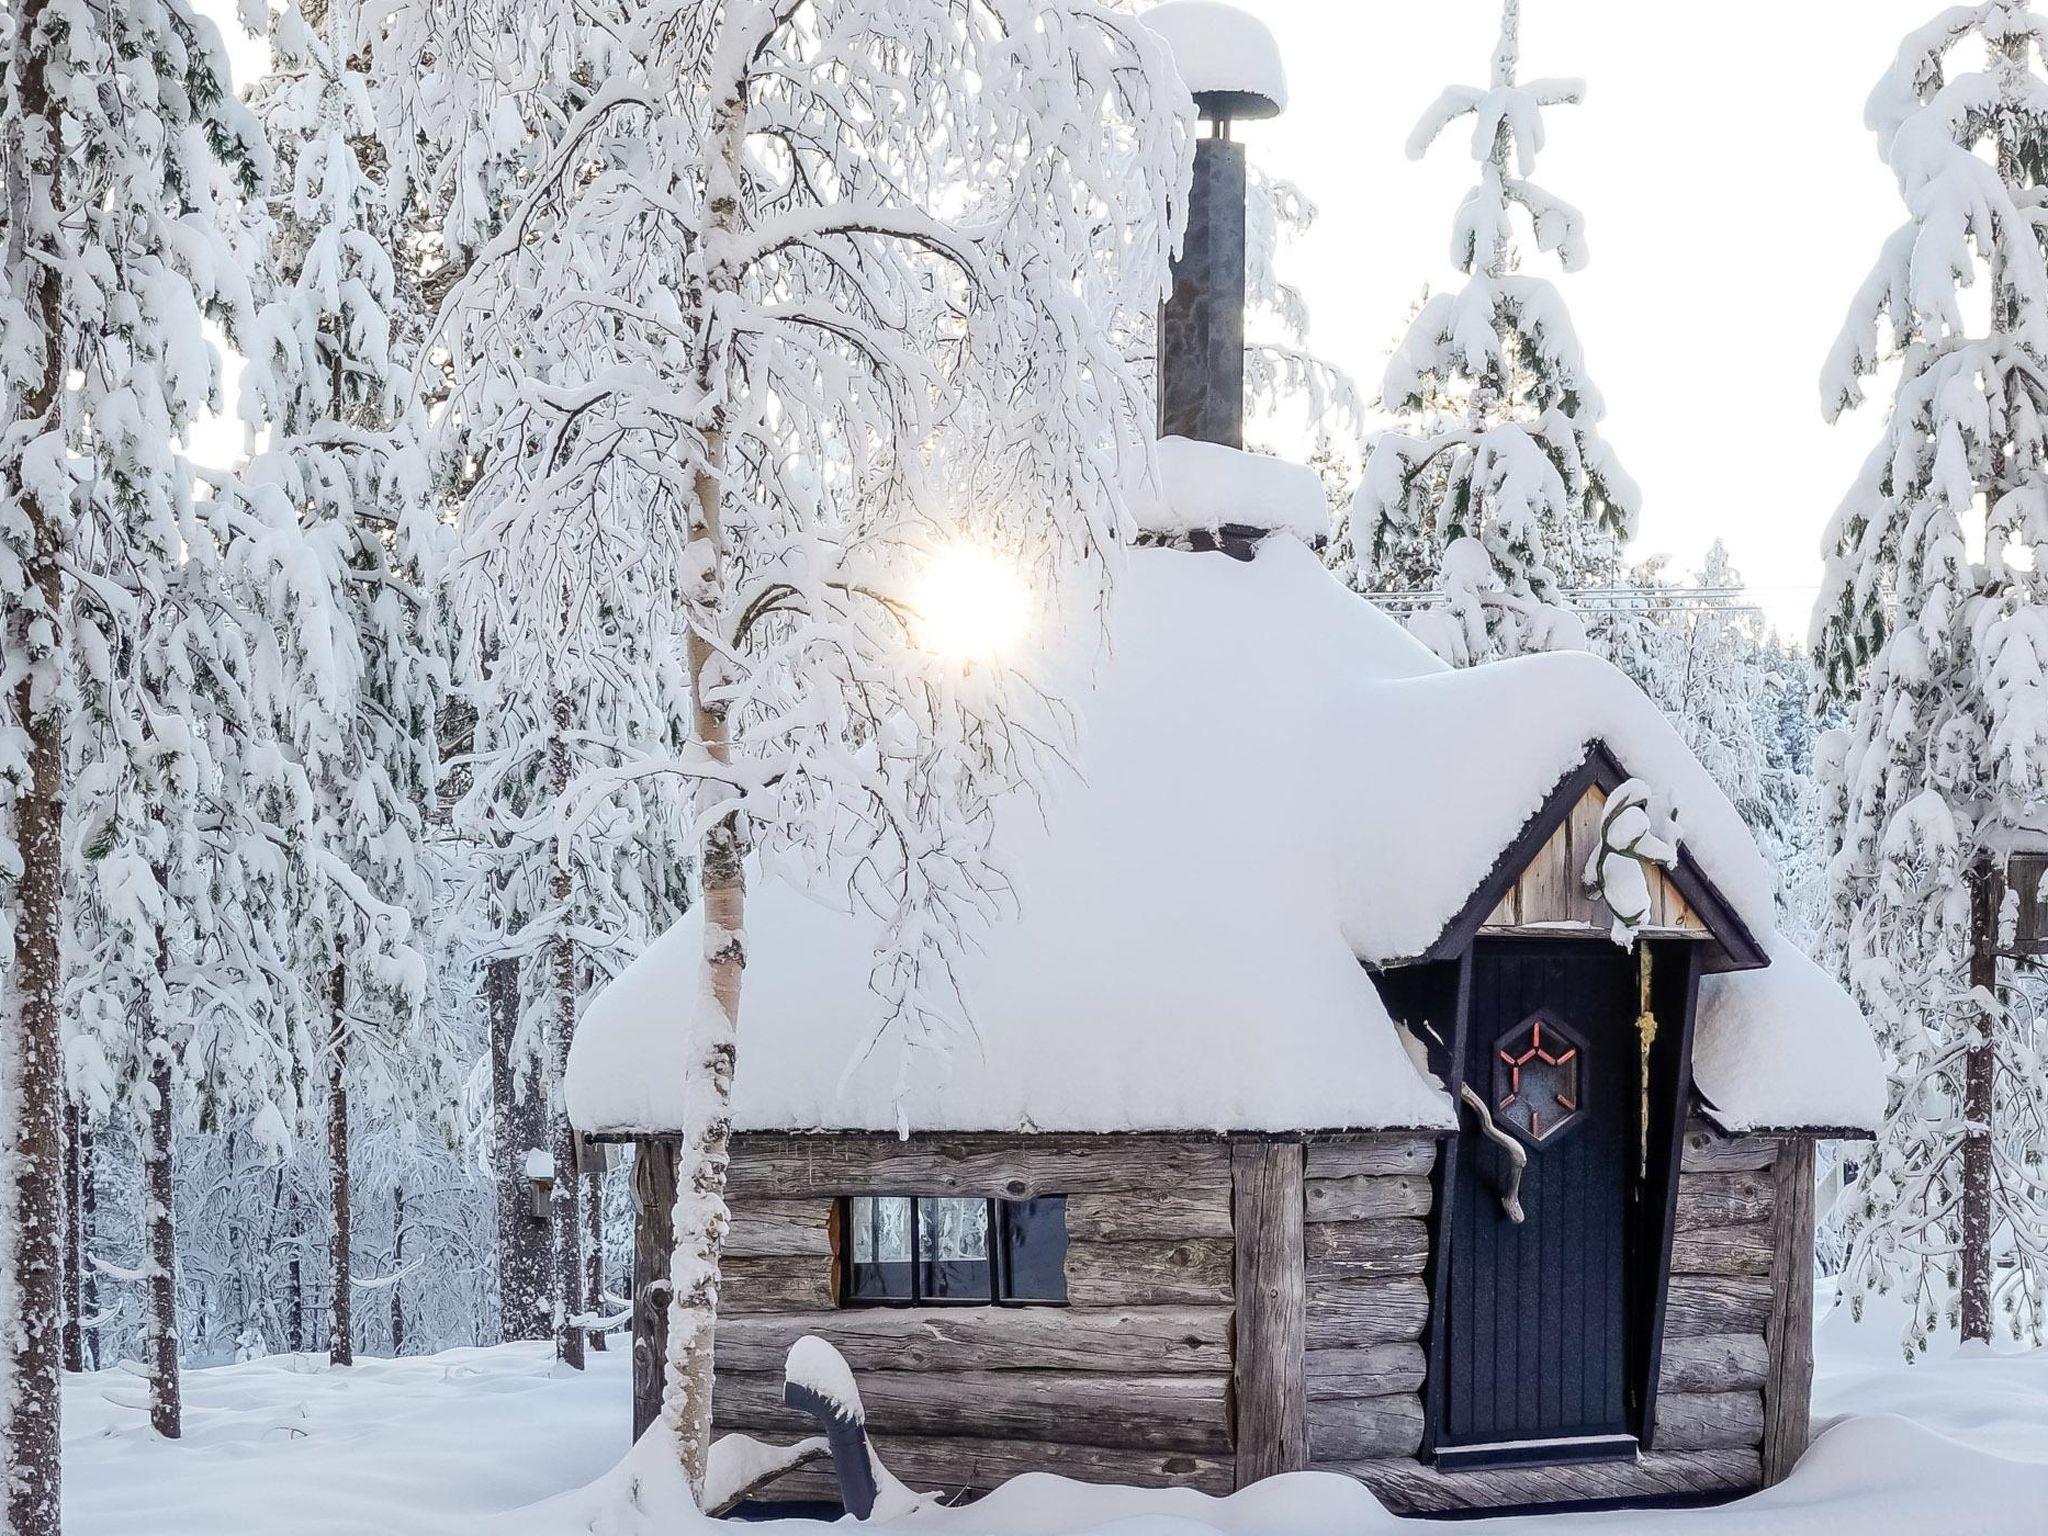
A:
<point x="1734" y="947"/>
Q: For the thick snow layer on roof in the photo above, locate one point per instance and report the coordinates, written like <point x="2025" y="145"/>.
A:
<point x="1220" y="48"/>
<point x="1279" y="783"/>
<point x="1205" y="486"/>
<point x="1784" y="1048"/>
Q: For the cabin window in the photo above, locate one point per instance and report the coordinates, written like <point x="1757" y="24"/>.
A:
<point x="909" y="1250"/>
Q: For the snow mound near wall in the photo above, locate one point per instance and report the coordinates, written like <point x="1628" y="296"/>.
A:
<point x="1785" y="1047"/>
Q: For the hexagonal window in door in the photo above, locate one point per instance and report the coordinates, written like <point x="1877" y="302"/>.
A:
<point x="1536" y="1078"/>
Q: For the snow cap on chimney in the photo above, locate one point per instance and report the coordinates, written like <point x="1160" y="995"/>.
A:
<point x="1227" y="59"/>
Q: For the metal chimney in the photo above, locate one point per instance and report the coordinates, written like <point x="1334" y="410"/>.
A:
<point x="1232" y="68"/>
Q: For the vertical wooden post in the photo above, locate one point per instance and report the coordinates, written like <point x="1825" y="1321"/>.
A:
<point x="1270" y="1369"/>
<point x="1788" y="1384"/>
<point x="654" y="1202"/>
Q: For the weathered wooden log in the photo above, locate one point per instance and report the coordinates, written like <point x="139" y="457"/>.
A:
<point x="1788" y="1391"/>
<point x="1375" y="1370"/>
<point x="1719" y="1199"/>
<point x="1271" y="1396"/>
<point x="1373" y="1157"/>
<point x="654" y="1201"/>
<point x="1356" y="1312"/>
<point x="1140" y="1340"/>
<point x="1714" y="1362"/>
<point x="955" y="1464"/>
<point x="1166" y="1215"/>
<point x="1701" y="1304"/>
<point x="1152" y="1274"/>
<point x="1357" y="1428"/>
<point x="1186" y="1413"/>
<point x="1358" y="1250"/>
<point x="1367" y="1198"/>
<point x="1710" y="1151"/>
<point x="1709" y="1421"/>
<point x="782" y="1283"/>
<point x="777" y="1228"/>
<point x="1408" y="1487"/>
<point x="1733" y="1250"/>
<point x="1004" y="1167"/>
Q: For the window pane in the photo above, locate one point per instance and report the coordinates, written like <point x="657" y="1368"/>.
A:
<point x="952" y="1229"/>
<point x="1034" y="1241"/>
<point x="881" y="1230"/>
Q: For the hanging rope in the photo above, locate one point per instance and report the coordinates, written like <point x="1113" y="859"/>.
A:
<point x="1646" y="1032"/>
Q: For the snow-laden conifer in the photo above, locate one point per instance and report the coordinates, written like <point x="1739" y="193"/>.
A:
<point x="762" y="352"/>
<point x="1498" y="494"/>
<point x="1932" y="622"/>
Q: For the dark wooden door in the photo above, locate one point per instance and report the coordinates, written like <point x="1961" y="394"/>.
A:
<point x="1537" y="1318"/>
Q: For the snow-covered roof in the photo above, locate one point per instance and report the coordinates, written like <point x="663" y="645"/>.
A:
<point x="1278" y="783"/>
<point x="1203" y="487"/>
<point x="1221" y="51"/>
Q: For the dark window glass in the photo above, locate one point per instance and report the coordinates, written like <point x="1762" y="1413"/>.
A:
<point x="944" y="1250"/>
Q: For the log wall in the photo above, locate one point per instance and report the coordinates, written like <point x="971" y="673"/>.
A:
<point x="1130" y="1382"/>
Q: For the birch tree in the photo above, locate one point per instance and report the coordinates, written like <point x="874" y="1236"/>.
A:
<point x="806" y="293"/>
<point x="1499" y="482"/>
<point x="1941" y="650"/>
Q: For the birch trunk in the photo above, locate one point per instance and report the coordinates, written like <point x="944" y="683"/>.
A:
<point x="1979" y="1073"/>
<point x="568" y="1187"/>
<point x="341" y="1348"/>
<point x="518" y="1126"/>
<point x="160" y="1230"/>
<point x="31" y="1052"/>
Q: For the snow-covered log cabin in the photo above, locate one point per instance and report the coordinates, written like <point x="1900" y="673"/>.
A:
<point x="1315" y="1115"/>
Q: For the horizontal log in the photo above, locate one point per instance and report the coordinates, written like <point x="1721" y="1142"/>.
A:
<point x="1363" y="1197"/>
<point x="1703" y="1304"/>
<point x="1153" y="1274"/>
<point x="1354" y="1428"/>
<point x="1710" y="1151"/>
<point x="1004" y="1167"/>
<point x="1356" y="1250"/>
<point x="955" y="1464"/>
<point x="1408" y="1487"/>
<point x="778" y="1283"/>
<point x="1718" y="1199"/>
<point x="1185" y="1413"/>
<point x="1714" y="1362"/>
<point x="1138" y="1340"/>
<point x="1373" y="1370"/>
<point x="1356" y="1312"/>
<point x="1709" y="1421"/>
<point x="1731" y="1250"/>
<point x="1158" y="1215"/>
<point x="774" y="1228"/>
<point x="1375" y="1157"/>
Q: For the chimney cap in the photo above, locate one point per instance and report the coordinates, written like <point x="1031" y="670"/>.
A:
<point x="1226" y="57"/>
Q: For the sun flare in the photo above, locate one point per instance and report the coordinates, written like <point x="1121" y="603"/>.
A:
<point x="971" y="604"/>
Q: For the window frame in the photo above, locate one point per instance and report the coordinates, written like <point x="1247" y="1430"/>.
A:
<point x="998" y="1261"/>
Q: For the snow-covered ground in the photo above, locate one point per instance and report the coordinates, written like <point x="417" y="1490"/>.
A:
<point x="454" y="1444"/>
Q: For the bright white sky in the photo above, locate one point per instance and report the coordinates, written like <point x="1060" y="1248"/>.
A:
<point x="1734" y="203"/>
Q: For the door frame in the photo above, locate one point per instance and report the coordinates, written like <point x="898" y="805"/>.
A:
<point x="1676" y="966"/>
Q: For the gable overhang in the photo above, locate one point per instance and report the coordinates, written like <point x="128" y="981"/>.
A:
<point x="1728" y="944"/>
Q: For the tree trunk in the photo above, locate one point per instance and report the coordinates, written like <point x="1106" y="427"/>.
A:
<point x="397" y="1268"/>
<point x="518" y="1127"/>
<point x="1986" y="896"/>
<point x="74" y="1237"/>
<point x="88" y="1225"/>
<point x="166" y="1409"/>
<point x="298" y="1304"/>
<point x="568" y="1188"/>
<point x="340" y="1320"/>
<point x="593" y="1251"/>
<point x="30" y="1353"/>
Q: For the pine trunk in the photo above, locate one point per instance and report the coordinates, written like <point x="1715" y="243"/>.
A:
<point x="340" y="1303"/>
<point x="569" y="1299"/>
<point x="30" y="1225"/>
<point x="397" y="1268"/>
<point x="1986" y="895"/>
<point x="74" y="1237"/>
<point x="518" y="1127"/>
<point x="593" y="1251"/>
<point x="166" y="1406"/>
